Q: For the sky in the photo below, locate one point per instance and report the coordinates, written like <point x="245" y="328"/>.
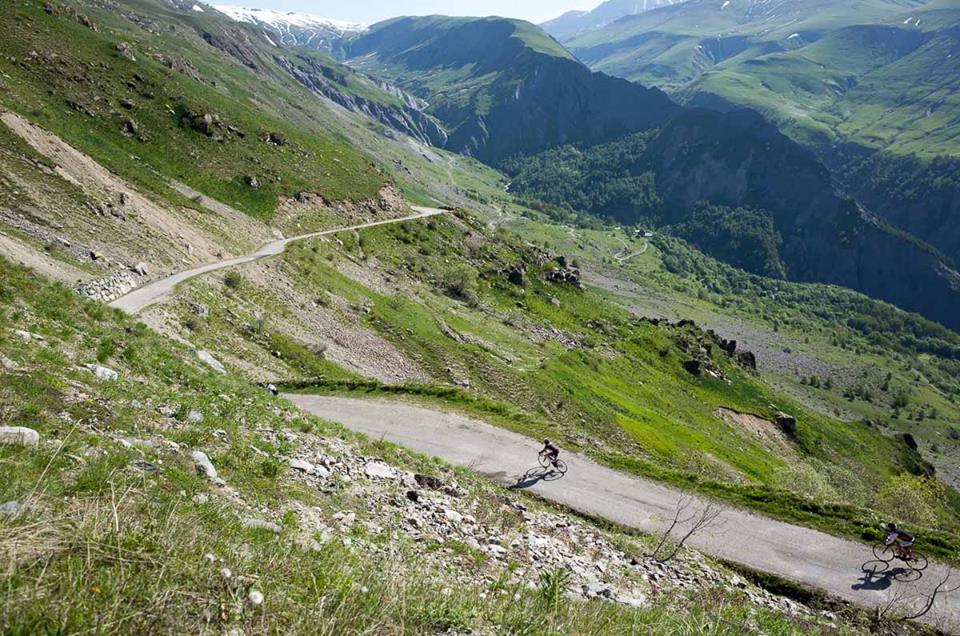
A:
<point x="370" y="11"/>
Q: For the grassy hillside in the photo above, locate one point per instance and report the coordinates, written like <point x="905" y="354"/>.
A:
<point x="878" y="73"/>
<point x="106" y="520"/>
<point x="800" y="227"/>
<point x="503" y="86"/>
<point x="135" y="97"/>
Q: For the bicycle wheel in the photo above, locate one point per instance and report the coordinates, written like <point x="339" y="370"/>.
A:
<point x="918" y="562"/>
<point x="560" y="467"/>
<point x="884" y="552"/>
<point x="544" y="460"/>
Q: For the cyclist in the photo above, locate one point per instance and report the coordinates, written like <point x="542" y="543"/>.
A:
<point x="551" y="450"/>
<point x="903" y="539"/>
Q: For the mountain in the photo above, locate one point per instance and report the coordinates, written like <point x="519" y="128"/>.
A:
<point x="776" y="210"/>
<point x="503" y="87"/>
<point x="157" y="143"/>
<point x="573" y="23"/>
<point x="295" y="29"/>
<point x="880" y="73"/>
<point x="871" y="86"/>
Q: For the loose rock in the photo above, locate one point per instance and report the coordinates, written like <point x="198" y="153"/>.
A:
<point x="204" y="465"/>
<point x="18" y="436"/>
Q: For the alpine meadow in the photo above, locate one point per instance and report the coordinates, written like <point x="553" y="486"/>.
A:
<point x="644" y="320"/>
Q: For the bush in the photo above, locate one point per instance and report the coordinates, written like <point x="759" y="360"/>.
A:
<point x="461" y="282"/>
<point x="233" y="280"/>
<point x="910" y="499"/>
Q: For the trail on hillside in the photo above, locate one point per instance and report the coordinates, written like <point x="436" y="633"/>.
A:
<point x="152" y="293"/>
<point x="792" y="552"/>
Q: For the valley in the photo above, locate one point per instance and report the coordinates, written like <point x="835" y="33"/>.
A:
<point x="408" y="230"/>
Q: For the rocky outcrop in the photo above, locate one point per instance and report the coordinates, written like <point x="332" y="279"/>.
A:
<point x="406" y="118"/>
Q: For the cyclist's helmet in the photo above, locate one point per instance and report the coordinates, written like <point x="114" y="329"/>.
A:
<point x="546" y="442"/>
<point x="891" y="527"/>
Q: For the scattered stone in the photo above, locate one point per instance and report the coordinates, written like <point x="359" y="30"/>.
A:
<point x="95" y="255"/>
<point x="26" y="336"/>
<point x="255" y="597"/>
<point x="253" y="182"/>
<point x="129" y="128"/>
<point x="453" y="516"/>
<point x="126" y="51"/>
<point x="194" y="417"/>
<point x="10" y="508"/>
<point x="426" y="481"/>
<point x="102" y="373"/>
<point x="303" y="466"/>
<point x="381" y="471"/>
<point x="413" y="496"/>
<point x="204" y="465"/>
<point x="260" y="524"/>
<point x="18" y="436"/>
<point x="141" y="269"/>
<point x="212" y="362"/>
<point x="127" y="103"/>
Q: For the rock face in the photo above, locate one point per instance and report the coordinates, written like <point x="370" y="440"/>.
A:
<point x="406" y="117"/>
<point x="18" y="436"/>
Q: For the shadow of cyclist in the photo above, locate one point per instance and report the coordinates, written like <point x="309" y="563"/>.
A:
<point x="534" y="476"/>
<point x="877" y="581"/>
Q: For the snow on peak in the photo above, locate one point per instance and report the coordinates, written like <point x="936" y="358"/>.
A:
<point x="283" y="21"/>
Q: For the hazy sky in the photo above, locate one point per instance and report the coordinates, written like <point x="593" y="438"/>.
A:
<point x="370" y="11"/>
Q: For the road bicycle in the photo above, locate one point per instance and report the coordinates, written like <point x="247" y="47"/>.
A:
<point x="547" y="461"/>
<point x="887" y="553"/>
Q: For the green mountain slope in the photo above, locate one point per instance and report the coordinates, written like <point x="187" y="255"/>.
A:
<point x="738" y="160"/>
<point x="879" y="73"/>
<point x="573" y="23"/>
<point x="503" y="87"/>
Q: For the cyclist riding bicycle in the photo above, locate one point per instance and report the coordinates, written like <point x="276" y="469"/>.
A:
<point x="551" y="450"/>
<point x="903" y="540"/>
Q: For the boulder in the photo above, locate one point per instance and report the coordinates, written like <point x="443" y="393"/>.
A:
<point x="787" y="424"/>
<point x="212" y="362"/>
<point x="141" y="269"/>
<point x="427" y="481"/>
<point x="204" y="465"/>
<point x="517" y="276"/>
<point x="18" y="436"/>
<point x="747" y="360"/>
<point x="693" y="367"/>
<point x="381" y="471"/>
<point x="126" y="51"/>
<point x="102" y="373"/>
<point x="10" y="508"/>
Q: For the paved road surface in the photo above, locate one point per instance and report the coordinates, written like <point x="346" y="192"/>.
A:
<point x="792" y="552"/>
<point x="152" y="293"/>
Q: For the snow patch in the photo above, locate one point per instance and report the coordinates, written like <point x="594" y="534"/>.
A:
<point x="725" y="4"/>
<point x="198" y="9"/>
<point x="283" y="20"/>
<point x="795" y="35"/>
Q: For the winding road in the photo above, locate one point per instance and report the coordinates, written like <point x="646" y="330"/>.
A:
<point x="152" y="293"/>
<point x="792" y="552"/>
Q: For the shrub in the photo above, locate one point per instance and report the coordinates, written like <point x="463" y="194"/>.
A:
<point x="910" y="499"/>
<point x="233" y="280"/>
<point x="461" y="282"/>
